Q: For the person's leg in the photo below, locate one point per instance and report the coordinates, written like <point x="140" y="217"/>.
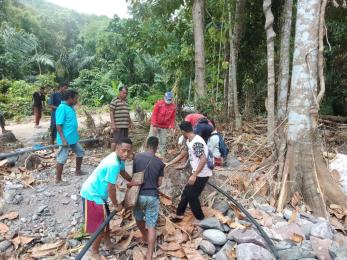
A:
<point x="62" y="155"/>
<point x="35" y="112"/>
<point x="152" y="213"/>
<point x="2" y="123"/>
<point x="79" y="151"/>
<point x="193" y="197"/>
<point x="115" y="136"/>
<point x="53" y="133"/>
<point x="162" y="141"/>
<point x="139" y="217"/>
<point x="182" y="205"/>
<point x="40" y="115"/>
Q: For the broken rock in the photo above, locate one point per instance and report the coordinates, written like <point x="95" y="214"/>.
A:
<point x="322" y="230"/>
<point x="221" y="205"/>
<point x="246" y="236"/>
<point x="215" y="236"/>
<point x="207" y="247"/>
<point x="249" y="251"/>
<point x="211" y="223"/>
<point x="4" y="245"/>
<point x="225" y="252"/>
<point x="321" y="247"/>
<point x="295" y="253"/>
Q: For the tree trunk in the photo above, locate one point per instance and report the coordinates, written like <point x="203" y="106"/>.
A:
<point x="283" y="88"/>
<point x="283" y="75"/>
<point x="198" y="27"/>
<point x="305" y="170"/>
<point x="235" y="35"/>
<point x="226" y="79"/>
<point x="270" y="102"/>
<point x="230" y="72"/>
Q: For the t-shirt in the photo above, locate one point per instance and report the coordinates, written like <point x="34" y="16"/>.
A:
<point x="193" y="118"/>
<point x="196" y="148"/>
<point x="38" y="98"/>
<point x="213" y="145"/>
<point x="95" y="188"/>
<point x="66" y="117"/>
<point x="54" y="100"/>
<point x="154" y="170"/>
<point x="121" y="113"/>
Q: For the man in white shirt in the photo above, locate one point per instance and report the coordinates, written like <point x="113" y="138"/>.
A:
<point x="197" y="150"/>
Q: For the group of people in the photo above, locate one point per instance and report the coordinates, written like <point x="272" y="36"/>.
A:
<point x="196" y="130"/>
<point x="199" y="135"/>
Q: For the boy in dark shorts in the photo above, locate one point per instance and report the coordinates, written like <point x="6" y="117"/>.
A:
<point x="147" y="209"/>
<point x="100" y="186"/>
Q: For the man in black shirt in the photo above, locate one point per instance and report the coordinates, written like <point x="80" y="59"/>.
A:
<point x="147" y="209"/>
<point x="39" y="103"/>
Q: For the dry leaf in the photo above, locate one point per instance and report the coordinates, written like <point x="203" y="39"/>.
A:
<point x="10" y="215"/>
<point x="137" y="254"/>
<point x="46" y="249"/>
<point x="179" y="253"/>
<point x="28" y="180"/>
<point x="296" y="199"/>
<point x="194" y="243"/>
<point x="257" y="214"/>
<point x="235" y="225"/>
<point x="293" y="217"/>
<point x="297" y="238"/>
<point x="173" y="246"/>
<point x="178" y="237"/>
<point x="22" y="240"/>
<point x="337" y="225"/>
<point x="169" y="228"/>
<point x="165" y="201"/>
<point x="3" y="228"/>
<point x="125" y="244"/>
<point x="192" y="254"/>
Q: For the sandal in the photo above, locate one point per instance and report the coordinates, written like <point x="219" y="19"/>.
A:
<point x="175" y="218"/>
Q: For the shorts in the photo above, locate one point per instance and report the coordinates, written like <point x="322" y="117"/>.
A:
<point x="119" y="133"/>
<point x="94" y="215"/>
<point x="147" y="208"/>
<point x="63" y="152"/>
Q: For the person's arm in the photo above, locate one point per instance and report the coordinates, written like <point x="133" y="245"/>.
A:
<point x="60" y="131"/>
<point x="173" y="118"/>
<point x="43" y="101"/>
<point x="112" y="193"/>
<point x="112" y="109"/>
<point x="160" y="181"/>
<point x="178" y="158"/>
<point x="51" y="103"/>
<point x="125" y="175"/>
<point x="59" y="120"/>
<point x="199" y="152"/>
<point x="155" y="115"/>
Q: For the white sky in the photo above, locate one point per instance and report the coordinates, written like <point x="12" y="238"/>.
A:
<point x="98" y="7"/>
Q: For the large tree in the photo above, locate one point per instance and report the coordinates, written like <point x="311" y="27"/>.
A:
<point x="199" y="47"/>
<point x="305" y="170"/>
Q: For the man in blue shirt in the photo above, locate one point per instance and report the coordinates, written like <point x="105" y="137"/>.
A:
<point x="53" y="102"/>
<point x="100" y="186"/>
<point x="67" y="137"/>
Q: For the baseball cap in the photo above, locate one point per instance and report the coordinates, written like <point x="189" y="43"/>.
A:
<point x="168" y="96"/>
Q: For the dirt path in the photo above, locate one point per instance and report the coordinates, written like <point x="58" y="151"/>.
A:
<point x="26" y="133"/>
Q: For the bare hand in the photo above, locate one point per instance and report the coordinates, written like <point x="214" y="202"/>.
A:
<point x="180" y="167"/>
<point x="113" y="126"/>
<point x="64" y="142"/>
<point x="191" y="180"/>
<point x="132" y="183"/>
<point x="118" y="207"/>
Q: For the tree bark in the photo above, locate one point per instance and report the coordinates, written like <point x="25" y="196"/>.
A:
<point x="199" y="43"/>
<point x="284" y="68"/>
<point x="305" y="169"/>
<point x="270" y="35"/>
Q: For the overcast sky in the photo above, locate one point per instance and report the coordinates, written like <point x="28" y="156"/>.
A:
<point x="99" y="7"/>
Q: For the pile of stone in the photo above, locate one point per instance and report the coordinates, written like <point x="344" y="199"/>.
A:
<point x="299" y="237"/>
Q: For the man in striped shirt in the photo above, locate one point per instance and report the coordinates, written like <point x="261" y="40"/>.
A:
<point x="120" y="117"/>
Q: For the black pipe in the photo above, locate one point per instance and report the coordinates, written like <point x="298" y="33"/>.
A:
<point x="30" y="149"/>
<point x="244" y="211"/>
<point x="95" y="235"/>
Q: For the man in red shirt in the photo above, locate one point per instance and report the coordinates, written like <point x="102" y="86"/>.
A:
<point x="193" y="118"/>
<point x="163" y="118"/>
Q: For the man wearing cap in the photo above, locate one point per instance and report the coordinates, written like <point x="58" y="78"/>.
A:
<point x="163" y="118"/>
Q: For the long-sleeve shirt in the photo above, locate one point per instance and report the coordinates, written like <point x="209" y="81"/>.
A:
<point x="163" y="115"/>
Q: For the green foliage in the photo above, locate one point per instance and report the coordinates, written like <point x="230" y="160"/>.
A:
<point x="94" y="87"/>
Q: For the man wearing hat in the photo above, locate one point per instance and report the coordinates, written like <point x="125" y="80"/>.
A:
<point x="163" y="118"/>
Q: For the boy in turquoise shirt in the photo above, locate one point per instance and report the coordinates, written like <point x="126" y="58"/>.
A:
<point x="100" y="186"/>
<point x="67" y="134"/>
